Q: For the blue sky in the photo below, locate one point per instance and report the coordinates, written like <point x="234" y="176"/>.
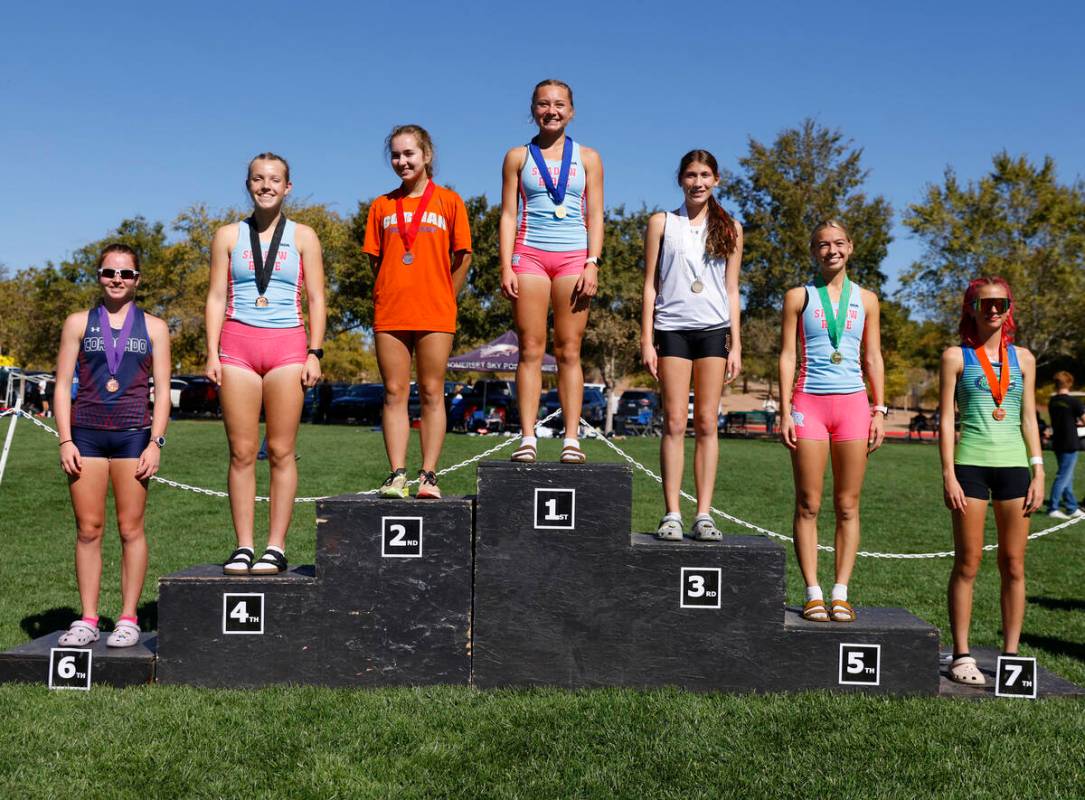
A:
<point x="116" y="109"/>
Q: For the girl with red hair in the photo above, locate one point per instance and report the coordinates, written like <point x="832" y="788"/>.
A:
<point x="993" y="384"/>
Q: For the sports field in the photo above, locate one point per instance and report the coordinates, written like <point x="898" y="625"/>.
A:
<point x="458" y="742"/>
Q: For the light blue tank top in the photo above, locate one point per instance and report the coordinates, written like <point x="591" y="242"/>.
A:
<point x="283" y="290"/>
<point x="817" y="373"/>
<point x="538" y="227"/>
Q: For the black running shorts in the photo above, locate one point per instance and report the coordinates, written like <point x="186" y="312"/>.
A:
<point x="993" y="483"/>
<point x="692" y="345"/>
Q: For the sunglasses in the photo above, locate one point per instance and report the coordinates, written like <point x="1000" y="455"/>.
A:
<point x="125" y="274"/>
<point x="999" y="305"/>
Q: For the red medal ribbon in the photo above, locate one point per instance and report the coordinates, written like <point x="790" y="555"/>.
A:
<point x="408" y="235"/>
<point x="1001" y="384"/>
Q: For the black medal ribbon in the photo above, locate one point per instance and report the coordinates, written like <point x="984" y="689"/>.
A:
<point x="264" y="268"/>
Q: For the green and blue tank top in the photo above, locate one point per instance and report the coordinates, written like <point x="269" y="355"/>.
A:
<point x="985" y="441"/>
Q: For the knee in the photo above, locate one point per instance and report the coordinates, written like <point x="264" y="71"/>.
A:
<point x="704" y="425"/>
<point x="131" y="530"/>
<point x="396" y="393"/>
<point x="532" y="348"/>
<point x="807" y="507"/>
<point x="846" y="508"/>
<point x="966" y="567"/>
<point x="279" y="453"/>
<point x="243" y="457"/>
<point x="432" y="395"/>
<point x="567" y="352"/>
<point x="1012" y="568"/>
<point x="89" y="531"/>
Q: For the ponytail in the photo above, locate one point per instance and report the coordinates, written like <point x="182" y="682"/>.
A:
<point x="721" y="239"/>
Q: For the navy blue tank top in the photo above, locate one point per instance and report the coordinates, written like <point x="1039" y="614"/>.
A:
<point x="128" y="407"/>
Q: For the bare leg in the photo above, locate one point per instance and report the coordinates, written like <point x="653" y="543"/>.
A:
<point x="570" y="319"/>
<point x="674" y="374"/>
<point x="707" y="388"/>
<point x="849" y="469"/>
<point x="530" y="310"/>
<point x="1013" y="528"/>
<point x="131" y="500"/>
<point x="808" y="466"/>
<point x="283" y="397"/>
<point x="241" y="398"/>
<point x="967" y="554"/>
<point x="394" y="359"/>
<point x="431" y="358"/>
<point x="88" y="501"/>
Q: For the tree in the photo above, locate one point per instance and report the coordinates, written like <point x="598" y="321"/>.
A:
<point x="807" y="175"/>
<point x="1019" y="222"/>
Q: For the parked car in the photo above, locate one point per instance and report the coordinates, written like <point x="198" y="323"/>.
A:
<point x="200" y="395"/>
<point x="486" y="398"/>
<point x="638" y="412"/>
<point x="311" y="394"/>
<point x="593" y="408"/>
<point x="177" y="385"/>
<point x="361" y="403"/>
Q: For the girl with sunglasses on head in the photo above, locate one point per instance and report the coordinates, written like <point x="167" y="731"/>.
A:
<point x="551" y="238"/>
<point x="257" y="350"/>
<point x="825" y="411"/>
<point x="993" y="384"/>
<point x="108" y="435"/>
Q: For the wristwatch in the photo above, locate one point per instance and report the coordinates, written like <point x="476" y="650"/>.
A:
<point x="317" y="351"/>
<point x="883" y="409"/>
<point x="160" y="441"/>
<point x="596" y="260"/>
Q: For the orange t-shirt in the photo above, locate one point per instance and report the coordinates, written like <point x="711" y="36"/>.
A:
<point x="416" y="296"/>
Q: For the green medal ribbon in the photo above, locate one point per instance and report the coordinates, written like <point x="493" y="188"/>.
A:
<point x="835" y="322"/>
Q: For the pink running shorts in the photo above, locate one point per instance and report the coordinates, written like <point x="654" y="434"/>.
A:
<point x="837" y="417"/>
<point x="261" y="350"/>
<point x="532" y="261"/>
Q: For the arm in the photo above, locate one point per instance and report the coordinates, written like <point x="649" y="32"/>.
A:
<point x="653" y="242"/>
<point x="70" y="460"/>
<point x="510" y="184"/>
<point x="215" y="309"/>
<point x="312" y="257"/>
<point x="874" y="367"/>
<point x="789" y="330"/>
<point x="1030" y="430"/>
<point x="461" y="263"/>
<point x="460" y="236"/>
<point x="734" y="269"/>
<point x="949" y="374"/>
<point x="593" y="188"/>
<point x="159" y="333"/>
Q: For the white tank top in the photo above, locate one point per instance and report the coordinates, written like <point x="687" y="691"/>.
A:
<point x="682" y="260"/>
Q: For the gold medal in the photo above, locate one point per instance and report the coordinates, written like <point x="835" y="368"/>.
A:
<point x="697" y="287"/>
<point x="261" y="302"/>
<point x="112" y="385"/>
<point x="836" y="357"/>
<point x="999" y="414"/>
<point x="560" y="212"/>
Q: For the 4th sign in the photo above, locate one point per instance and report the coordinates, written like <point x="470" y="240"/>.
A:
<point x="860" y="664"/>
<point x="242" y="613"/>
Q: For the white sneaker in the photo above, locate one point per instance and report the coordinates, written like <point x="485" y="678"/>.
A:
<point x="1078" y="514"/>
<point x="1059" y="514"/>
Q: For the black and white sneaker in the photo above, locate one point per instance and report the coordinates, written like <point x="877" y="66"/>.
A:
<point x="239" y="562"/>
<point x="272" y="562"/>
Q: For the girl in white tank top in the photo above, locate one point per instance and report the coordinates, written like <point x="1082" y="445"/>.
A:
<point x="692" y="259"/>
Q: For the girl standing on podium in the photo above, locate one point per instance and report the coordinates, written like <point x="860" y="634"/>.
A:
<point x="690" y="328"/>
<point x="108" y="436"/>
<point x="418" y="238"/>
<point x="551" y="238"/>
<point x="993" y="384"/>
<point x="260" y="355"/>
<point x="826" y="411"/>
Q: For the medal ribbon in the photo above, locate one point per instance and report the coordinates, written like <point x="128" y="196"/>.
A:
<point x="409" y="235"/>
<point x="687" y="237"/>
<point x="557" y="193"/>
<point x="835" y="322"/>
<point x="264" y="267"/>
<point x="114" y="348"/>
<point x="1001" y="384"/>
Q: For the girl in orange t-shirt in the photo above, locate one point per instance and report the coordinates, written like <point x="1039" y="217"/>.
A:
<point x="419" y="242"/>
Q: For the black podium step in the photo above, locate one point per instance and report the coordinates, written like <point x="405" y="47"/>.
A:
<point x="110" y="666"/>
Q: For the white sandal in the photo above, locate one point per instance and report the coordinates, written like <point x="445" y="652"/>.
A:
<point x="964" y="670"/>
<point x="525" y="454"/>
<point x="125" y="634"/>
<point x="79" y="634"/>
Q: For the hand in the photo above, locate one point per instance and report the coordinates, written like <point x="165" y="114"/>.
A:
<point x="650" y="358"/>
<point x="311" y="373"/>
<point x="876" y="435"/>
<point x="213" y="370"/>
<point x="148" y="462"/>
<point x="788" y="435"/>
<point x="734" y="366"/>
<point x="953" y="495"/>
<point x="1034" y="498"/>
<point x="70" y="460"/>
<point x="510" y="284"/>
<point x="588" y="284"/>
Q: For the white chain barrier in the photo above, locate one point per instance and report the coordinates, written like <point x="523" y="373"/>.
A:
<point x="593" y="432"/>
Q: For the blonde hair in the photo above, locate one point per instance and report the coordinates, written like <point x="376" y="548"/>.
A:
<point x="829" y="223"/>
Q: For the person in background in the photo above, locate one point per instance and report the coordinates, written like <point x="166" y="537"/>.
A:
<point x="1067" y="413"/>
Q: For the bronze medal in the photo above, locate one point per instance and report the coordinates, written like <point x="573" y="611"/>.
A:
<point x="999" y="414"/>
<point x="836" y="357"/>
<point x="112" y="385"/>
<point x="560" y="212"/>
<point x="261" y="302"/>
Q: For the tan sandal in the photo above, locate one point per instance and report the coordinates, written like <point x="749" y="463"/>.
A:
<point x="525" y="454"/>
<point x="964" y="670"/>
<point x="571" y="454"/>
<point x="842" y="611"/>
<point x="815" y="611"/>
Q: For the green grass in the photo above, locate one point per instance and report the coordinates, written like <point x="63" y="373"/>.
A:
<point x="458" y="742"/>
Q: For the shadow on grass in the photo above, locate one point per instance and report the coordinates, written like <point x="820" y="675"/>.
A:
<point x="1060" y="647"/>
<point x="58" y="619"/>
<point x="1057" y="603"/>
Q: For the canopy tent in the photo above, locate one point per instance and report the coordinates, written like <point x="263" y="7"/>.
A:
<point x="500" y="355"/>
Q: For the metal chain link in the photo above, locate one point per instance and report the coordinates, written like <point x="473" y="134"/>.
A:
<point x="593" y="432"/>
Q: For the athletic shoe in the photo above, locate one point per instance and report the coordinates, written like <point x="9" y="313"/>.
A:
<point x="1077" y="513"/>
<point x="395" y="485"/>
<point x="427" y="486"/>
<point x="1058" y="514"/>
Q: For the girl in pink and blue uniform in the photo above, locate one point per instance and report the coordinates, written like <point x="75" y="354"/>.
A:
<point x="551" y="238"/>
<point x="836" y="326"/>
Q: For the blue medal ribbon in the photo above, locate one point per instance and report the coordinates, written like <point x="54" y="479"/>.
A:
<point x="557" y="193"/>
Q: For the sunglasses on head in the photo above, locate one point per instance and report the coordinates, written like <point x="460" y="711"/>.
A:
<point x="125" y="274"/>
<point x="988" y="304"/>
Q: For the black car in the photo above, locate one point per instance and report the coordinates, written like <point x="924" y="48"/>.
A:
<point x="487" y="397"/>
<point x="200" y="396"/>
<point x="638" y="412"/>
<point x="593" y="408"/>
<point x="361" y="403"/>
<point x="312" y="395"/>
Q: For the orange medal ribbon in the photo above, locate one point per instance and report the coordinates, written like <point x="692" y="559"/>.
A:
<point x="1000" y="385"/>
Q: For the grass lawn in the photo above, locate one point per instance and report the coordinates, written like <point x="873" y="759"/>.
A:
<point x="458" y="742"/>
